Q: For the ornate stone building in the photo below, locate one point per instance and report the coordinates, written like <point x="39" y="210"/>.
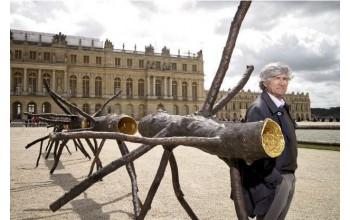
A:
<point x="87" y="72"/>
<point x="299" y="105"/>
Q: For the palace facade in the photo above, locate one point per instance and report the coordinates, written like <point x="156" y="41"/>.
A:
<point x="87" y="72"/>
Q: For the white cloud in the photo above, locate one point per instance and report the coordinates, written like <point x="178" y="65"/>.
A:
<point x="307" y="37"/>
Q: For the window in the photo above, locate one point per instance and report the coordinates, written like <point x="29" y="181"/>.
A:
<point x="86" y="82"/>
<point x="174" y="89"/>
<point x="97" y="107"/>
<point x="17" y="110"/>
<point x="86" y="108"/>
<point x="174" y="66"/>
<point x="175" y="110"/>
<point x="158" y="87"/>
<point x="17" y="83"/>
<point x="117" y="61"/>
<point x="73" y="58"/>
<point x="129" y="62"/>
<point x="73" y="86"/>
<point x="129" y="87"/>
<point x="32" y="83"/>
<point x="117" y="85"/>
<point x="99" y="60"/>
<point x="141" y="87"/>
<point x="18" y="54"/>
<point x="32" y="55"/>
<point x="194" y="68"/>
<point x="141" y="63"/>
<point x="47" y="56"/>
<point x="186" y="110"/>
<point x="158" y="65"/>
<point x="194" y="91"/>
<point x="184" y="67"/>
<point x="46" y="78"/>
<point x="86" y="59"/>
<point x="31" y="107"/>
<point x="46" y="108"/>
<point x="184" y="89"/>
<point x="98" y="86"/>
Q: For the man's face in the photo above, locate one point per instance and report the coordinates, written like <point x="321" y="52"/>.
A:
<point x="277" y="85"/>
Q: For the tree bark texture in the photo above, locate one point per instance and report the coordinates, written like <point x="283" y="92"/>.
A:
<point x="249" y="141"/>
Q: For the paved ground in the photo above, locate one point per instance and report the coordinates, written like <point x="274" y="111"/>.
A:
<point x="204" y="180"/>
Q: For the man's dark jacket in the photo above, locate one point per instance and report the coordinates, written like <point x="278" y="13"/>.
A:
<point x="261" y="178"/>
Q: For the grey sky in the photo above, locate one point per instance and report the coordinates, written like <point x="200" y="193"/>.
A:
<point x="303" y="34"/>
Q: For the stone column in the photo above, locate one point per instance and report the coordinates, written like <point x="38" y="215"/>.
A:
<point x="189" y="90"/>
<point x="40" y="82"/>
<point x="53" y="84"/>
<point x="148" y="86"/>
<point x="165" y="88"/>
<point x="25" y="83"/>
<point x="154" y="86"/>
<point x="65" y="82"/>
<point x="170" y="87"/>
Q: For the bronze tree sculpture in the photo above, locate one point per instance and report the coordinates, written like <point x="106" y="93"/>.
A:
<point x="247" y="141"/>
<point x="81" y="122"/>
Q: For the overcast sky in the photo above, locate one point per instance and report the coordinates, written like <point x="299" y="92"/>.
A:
<point x="303" y="34"/>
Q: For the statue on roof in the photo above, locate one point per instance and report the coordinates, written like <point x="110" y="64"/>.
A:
<point x="59" y="39"/>
<point x="165" y="51"/>
<point x="108" y="44"/>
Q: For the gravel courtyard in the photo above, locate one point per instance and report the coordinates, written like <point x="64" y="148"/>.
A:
<point x="204" y="180"/>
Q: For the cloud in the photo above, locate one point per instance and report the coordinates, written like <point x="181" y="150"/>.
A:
<point x="303" y="34"/>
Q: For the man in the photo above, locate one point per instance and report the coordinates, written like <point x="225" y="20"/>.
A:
<point x="269" y="183"/>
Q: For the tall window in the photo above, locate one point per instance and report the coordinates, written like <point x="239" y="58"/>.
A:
<point x="158" y="65"/>
<point x="86" y="108"/>
<point x="47" y="56"/>
<point x="86" y="82"/>
<point x="32" y="83"/>
<point x="194" y="91"/>
<point x="184" y="67"/>
<point x="174" y="89"/>
<point x="17" y="83"/>
<point x="174" y="66"/>
<point x="117" y="61"/>
<point x="46" y="107"/>
<point x="97" y="107"/>
<point x="184" y="89"/>
<point x="141" y="63"/>
<point x="73" y="58"/>
<point x="99" y="60"/>
<point x="129" y="87"/>
<point x="129" y="62"/>
<point x="46" y="78"/>
<point x="31" y="107"/>
<point x="32" y="55"/>
<point x="194" y="68"/>
<point x="17" y="110"/>
<point x="186" y="110"/>
<point x="72" y="110"/>
<point x="86" y="59"/>
<point x="73" y="86"/>
<point x="117" y="84"/>
<point x="175" y="110"/>
<point x="141" y="87"/>
<point x="158" y="87"/>
<point x="98" y="86"/>
<point x="18" y="54"/>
